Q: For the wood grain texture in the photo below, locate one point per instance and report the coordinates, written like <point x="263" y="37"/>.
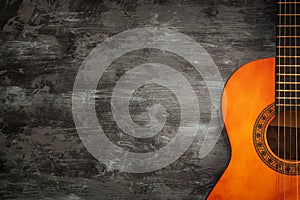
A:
<point x="42" y="45"/>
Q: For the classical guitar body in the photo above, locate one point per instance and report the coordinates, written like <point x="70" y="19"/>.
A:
<point x="255" y="172"/>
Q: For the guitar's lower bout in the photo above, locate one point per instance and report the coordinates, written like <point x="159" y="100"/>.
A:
<point x="251" y="174"/>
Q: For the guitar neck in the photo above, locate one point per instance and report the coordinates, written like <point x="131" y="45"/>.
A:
<point x="288" y="55"/>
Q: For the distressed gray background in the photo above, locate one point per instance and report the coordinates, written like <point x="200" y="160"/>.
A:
<point x="42" y="45"/>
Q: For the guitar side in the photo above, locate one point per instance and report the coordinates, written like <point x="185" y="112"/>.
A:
<point x="247" y="93"/>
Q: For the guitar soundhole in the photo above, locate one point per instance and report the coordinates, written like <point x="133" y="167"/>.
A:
<point x="283" y="136"/>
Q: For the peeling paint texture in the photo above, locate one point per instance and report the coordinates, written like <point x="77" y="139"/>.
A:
<point x="42" y="45"/>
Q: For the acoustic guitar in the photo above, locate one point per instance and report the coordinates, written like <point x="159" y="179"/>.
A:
<point x="262" y="105"/>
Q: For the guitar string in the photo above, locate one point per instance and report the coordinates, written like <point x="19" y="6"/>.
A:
<point x="289" y="21"/>
<point x="296" y="87"/>
<point x="278" y="109"/>
<point x="296" y="108"/>
<point x="291" y="86"/>
<point x="284" y="107"/>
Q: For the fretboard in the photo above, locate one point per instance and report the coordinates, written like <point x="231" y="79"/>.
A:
<point x="288" y="55"/>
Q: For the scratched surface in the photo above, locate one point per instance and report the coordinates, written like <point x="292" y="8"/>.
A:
<point x="42" y="45"/>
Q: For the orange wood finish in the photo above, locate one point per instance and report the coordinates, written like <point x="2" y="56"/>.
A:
<point x="249" y="90"/>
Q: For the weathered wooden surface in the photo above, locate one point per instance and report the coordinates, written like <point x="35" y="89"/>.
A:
<point x="42" y="45"/>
